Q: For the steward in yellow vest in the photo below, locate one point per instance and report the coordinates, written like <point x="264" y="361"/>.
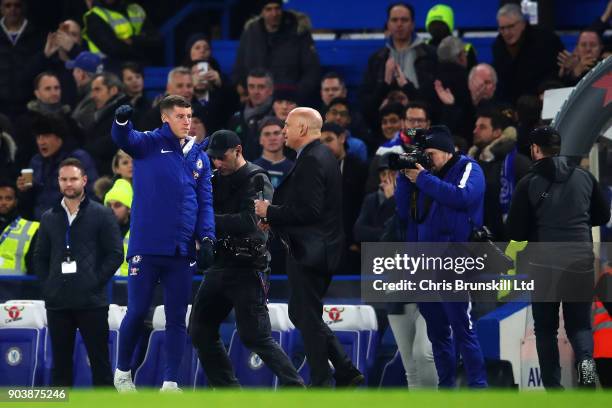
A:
<point x="119" y="199"/>
<point x="16" y="234"/>
<point x="117" y="31"/>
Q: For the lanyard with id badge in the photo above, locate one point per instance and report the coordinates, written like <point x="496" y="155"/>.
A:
<point x="68" y="263"/>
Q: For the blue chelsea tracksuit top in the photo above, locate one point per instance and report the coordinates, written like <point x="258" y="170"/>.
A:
<point x="172" y="204"/>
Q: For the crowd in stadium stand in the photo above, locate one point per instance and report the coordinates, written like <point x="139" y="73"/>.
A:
<point x="59" y="93"/>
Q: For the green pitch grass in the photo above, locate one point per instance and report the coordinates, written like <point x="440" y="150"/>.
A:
<point x="389" y="398"/>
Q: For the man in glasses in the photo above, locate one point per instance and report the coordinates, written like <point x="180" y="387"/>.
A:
<point x="523" y="55"/>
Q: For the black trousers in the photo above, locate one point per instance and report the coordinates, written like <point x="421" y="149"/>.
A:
<point x="308" y="287"/>
<point x="246" y="293"/>
<point x="604" y="371"/>
<point x="93" y="325"/>
<point x="577" y="321"/>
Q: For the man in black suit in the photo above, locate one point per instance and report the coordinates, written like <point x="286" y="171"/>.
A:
<point x="354" y="173"/>
<point x="306" y="212"/>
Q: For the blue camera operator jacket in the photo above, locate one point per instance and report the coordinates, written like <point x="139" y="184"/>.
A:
<point x="172" y="204"/>
<point x="457" y="203"/>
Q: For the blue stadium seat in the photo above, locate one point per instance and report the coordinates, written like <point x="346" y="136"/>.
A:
<point x="250" y="369"/>
<point x="356" y="328"/>
<point x="82" y="368"/>
<point x="151" y="371"/>
<point x="22" y="343"/>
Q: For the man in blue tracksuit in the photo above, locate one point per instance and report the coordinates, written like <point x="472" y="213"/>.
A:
<point x="171" y="210"/>
<point x="449" y="205"/>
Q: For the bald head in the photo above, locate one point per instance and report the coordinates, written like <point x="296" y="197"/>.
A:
<point x="303" y="125"/>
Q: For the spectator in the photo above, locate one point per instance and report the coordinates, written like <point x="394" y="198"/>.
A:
<point x="391" y="125"/>
<point x="259" y="105"/>
<point x="279" y="41"/>
<point x="74" y="265"/>
<point x="495" y="150"/>
<point x="62" y="45"/>
<point x="339" y="112"/>
<point x="54" y="145"/>
<point x="179" y="82"/>
<point x="588" y="52"/>
<point x="18" y="234"/>
<point x="84" y="67"/>
<point x="48" y="95"/>
<point x="107" y="93"/>
<point x="198" y="129"/>
<point x="451" y="85"/>
<point x="273" y="159"/>
<point x="119" y="31"/>
<point x="378" y="206"/>
<point x="8" y="153"/>
<point x="122" y="166"/>
<point x="285" y="100"/>
<point x="406" y="63"/>
<point x="19" y="44"/>
<point x="119" y="199"/>
<point x="440" y="24"/>
<point x="353" y="173"/>
<point x="332" y="87"/>
<point x="102" y="186"/>
<point x="132" y="77"/>
<point x="523" y="55"/>
<point x="213" y="91"/>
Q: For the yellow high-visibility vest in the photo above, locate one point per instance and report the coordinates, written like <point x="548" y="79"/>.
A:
<point x="15" y="245"/>
<point x="123" y="27"/>
<point x="124" y="268"/>
<point x="512" y="250"/>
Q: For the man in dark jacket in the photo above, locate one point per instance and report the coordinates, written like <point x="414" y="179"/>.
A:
<point x="405" y="63"/>
<point x="279" y="41"/>
<point x="245" y="122"/>
<point x="19" y="44"/>
<point x="495" y="150"/>
<point x="77" y="252"/>
<point x="238" y="282"/>
<point x="307" y="214"/>
<point x="354" y="173"/>
<point x="54" y="145"/>
<point x="107" y="94"/>
<point x="523" y="55"/>
<point x="48" y="96"/>
<point x="558" y="203"/>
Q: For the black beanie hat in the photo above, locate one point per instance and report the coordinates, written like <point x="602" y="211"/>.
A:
<point x="439" y="137"/>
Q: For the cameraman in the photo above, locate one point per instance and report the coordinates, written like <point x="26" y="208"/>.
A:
<point x="238" y="278"/>
<point x="446" y="204"/>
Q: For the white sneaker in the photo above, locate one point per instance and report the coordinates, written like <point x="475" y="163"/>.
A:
<point x="123" y="381"/>
<point x="170" y="386"/>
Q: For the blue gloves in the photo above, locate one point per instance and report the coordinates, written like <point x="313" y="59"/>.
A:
<point x="123" y="113"/>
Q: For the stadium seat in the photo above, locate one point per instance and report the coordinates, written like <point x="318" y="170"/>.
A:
<point x="151" y="371"/>
<point x="250" y="369"/>
<point x="82" y="368"/>
<point x="356" y="327"/>
<point x="22" y="343"/>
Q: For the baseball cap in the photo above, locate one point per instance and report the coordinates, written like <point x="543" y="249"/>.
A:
<point x="87" y="61"/>
<point x="220" y="141"/>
